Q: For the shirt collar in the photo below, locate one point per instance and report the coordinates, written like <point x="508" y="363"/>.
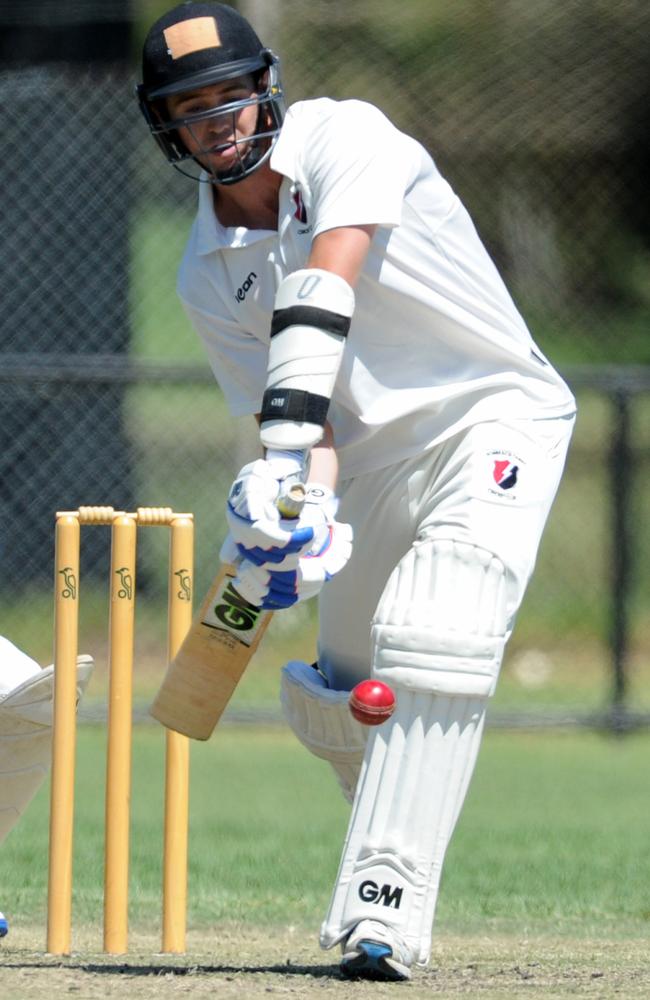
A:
<point x="211" y="235"/>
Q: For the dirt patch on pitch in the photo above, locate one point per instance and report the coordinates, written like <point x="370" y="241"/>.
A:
<point x="253" y="963"/>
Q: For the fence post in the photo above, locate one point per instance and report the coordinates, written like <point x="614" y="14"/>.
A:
<point x="620" y="472"/>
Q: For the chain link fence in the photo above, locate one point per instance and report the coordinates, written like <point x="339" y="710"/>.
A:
<point x="536" y="115"/>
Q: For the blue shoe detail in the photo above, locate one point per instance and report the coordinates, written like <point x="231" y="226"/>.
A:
<point x="370" y="963"/>
<point x="4" y="926"/>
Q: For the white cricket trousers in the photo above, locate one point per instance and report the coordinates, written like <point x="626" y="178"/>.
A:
<point x="491" y="485"/>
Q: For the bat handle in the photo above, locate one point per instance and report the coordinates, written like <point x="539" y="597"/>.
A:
<point x="291" y="502"/>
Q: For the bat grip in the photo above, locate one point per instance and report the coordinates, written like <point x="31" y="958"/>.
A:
<point x="291" y="502"/>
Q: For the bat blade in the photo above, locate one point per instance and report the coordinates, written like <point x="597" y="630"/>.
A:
<point x="201" y="679"/>
<point x="222" y="639"/>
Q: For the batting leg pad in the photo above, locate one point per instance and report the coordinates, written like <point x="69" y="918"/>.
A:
<point x="438" y="636"/>
<point x="26" y="739"/>
<point x="15" y="667"/>
<point x="322" y="721"/>
<point x="441" y="623"/>
<point x="415" y="777"/>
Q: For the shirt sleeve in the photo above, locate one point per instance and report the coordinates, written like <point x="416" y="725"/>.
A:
<point x="358" y="167"/>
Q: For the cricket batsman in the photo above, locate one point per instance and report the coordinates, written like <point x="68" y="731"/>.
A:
<point x="347" y="302"/>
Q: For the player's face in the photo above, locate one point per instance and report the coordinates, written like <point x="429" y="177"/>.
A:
<point x="217" y="130"/>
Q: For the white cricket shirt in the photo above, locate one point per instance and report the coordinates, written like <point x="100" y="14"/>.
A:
<point x="436" y="343"/>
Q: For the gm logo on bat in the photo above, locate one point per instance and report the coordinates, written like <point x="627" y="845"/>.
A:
<point x="232" y="613"/>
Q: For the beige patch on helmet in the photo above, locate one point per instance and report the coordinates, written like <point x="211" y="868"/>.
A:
<point x="191" y="36"/>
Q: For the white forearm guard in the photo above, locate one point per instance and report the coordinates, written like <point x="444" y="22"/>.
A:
<point x="311" y="319"/>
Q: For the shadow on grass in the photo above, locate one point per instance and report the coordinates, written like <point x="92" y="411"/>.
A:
<point x="126" y="969"/>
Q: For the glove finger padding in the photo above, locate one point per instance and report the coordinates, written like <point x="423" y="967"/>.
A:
<point x="335" y="550"/>
<point x="255" y="524"/>
<point x="331" y="546"/>
<point x="229" y="552"/>
<point x="253" y="583"/>
<point x="274" y="590"/>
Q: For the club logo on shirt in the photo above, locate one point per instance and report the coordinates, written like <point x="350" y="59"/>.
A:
<point x="501" y="474"/>
<point x="301" y="212"/>
<point x="505" y="473"/>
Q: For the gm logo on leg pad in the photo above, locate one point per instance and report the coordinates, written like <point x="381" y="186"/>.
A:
<point x="380" y="890"/>
<point x="385" y="895"/>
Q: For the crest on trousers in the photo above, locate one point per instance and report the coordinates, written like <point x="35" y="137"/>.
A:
<point x="505" y="473"/>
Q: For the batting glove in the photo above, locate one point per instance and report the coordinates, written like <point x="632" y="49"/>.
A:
<point x="262" y="536"/>
<point x="331" y="548"/>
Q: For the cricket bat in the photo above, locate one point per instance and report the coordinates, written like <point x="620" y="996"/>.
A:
<point x="221" y="641"/>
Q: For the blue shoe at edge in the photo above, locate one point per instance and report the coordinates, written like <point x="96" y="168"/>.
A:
<point x="374" y="951"/>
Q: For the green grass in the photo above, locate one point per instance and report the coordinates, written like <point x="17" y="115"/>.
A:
<point x="555" y="836"/>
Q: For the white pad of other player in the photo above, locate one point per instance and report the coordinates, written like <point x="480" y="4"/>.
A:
<point x="322" y="721"/>
<point x="311" y="319"/>
<point x="438" y="635"/>
<point x="26" y="728"/>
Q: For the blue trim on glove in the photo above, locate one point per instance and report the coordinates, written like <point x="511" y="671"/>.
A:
<point x="299" y="538"/>
<point x="282" y="591"/>
<point x="283" y="583"/>
<point x="277" y="603"/>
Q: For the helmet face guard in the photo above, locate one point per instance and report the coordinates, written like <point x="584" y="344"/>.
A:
<point x="252" y="150"/>
<point x="199" y="44"/>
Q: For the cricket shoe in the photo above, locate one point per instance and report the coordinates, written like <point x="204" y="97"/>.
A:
<point x="374" y="951"/>
<point x="4" y="926"/>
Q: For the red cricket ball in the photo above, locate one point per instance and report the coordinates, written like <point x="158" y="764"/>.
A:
<point x="372" y="702"/>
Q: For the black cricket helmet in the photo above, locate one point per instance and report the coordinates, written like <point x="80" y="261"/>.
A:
<point x="196" y="45"/>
